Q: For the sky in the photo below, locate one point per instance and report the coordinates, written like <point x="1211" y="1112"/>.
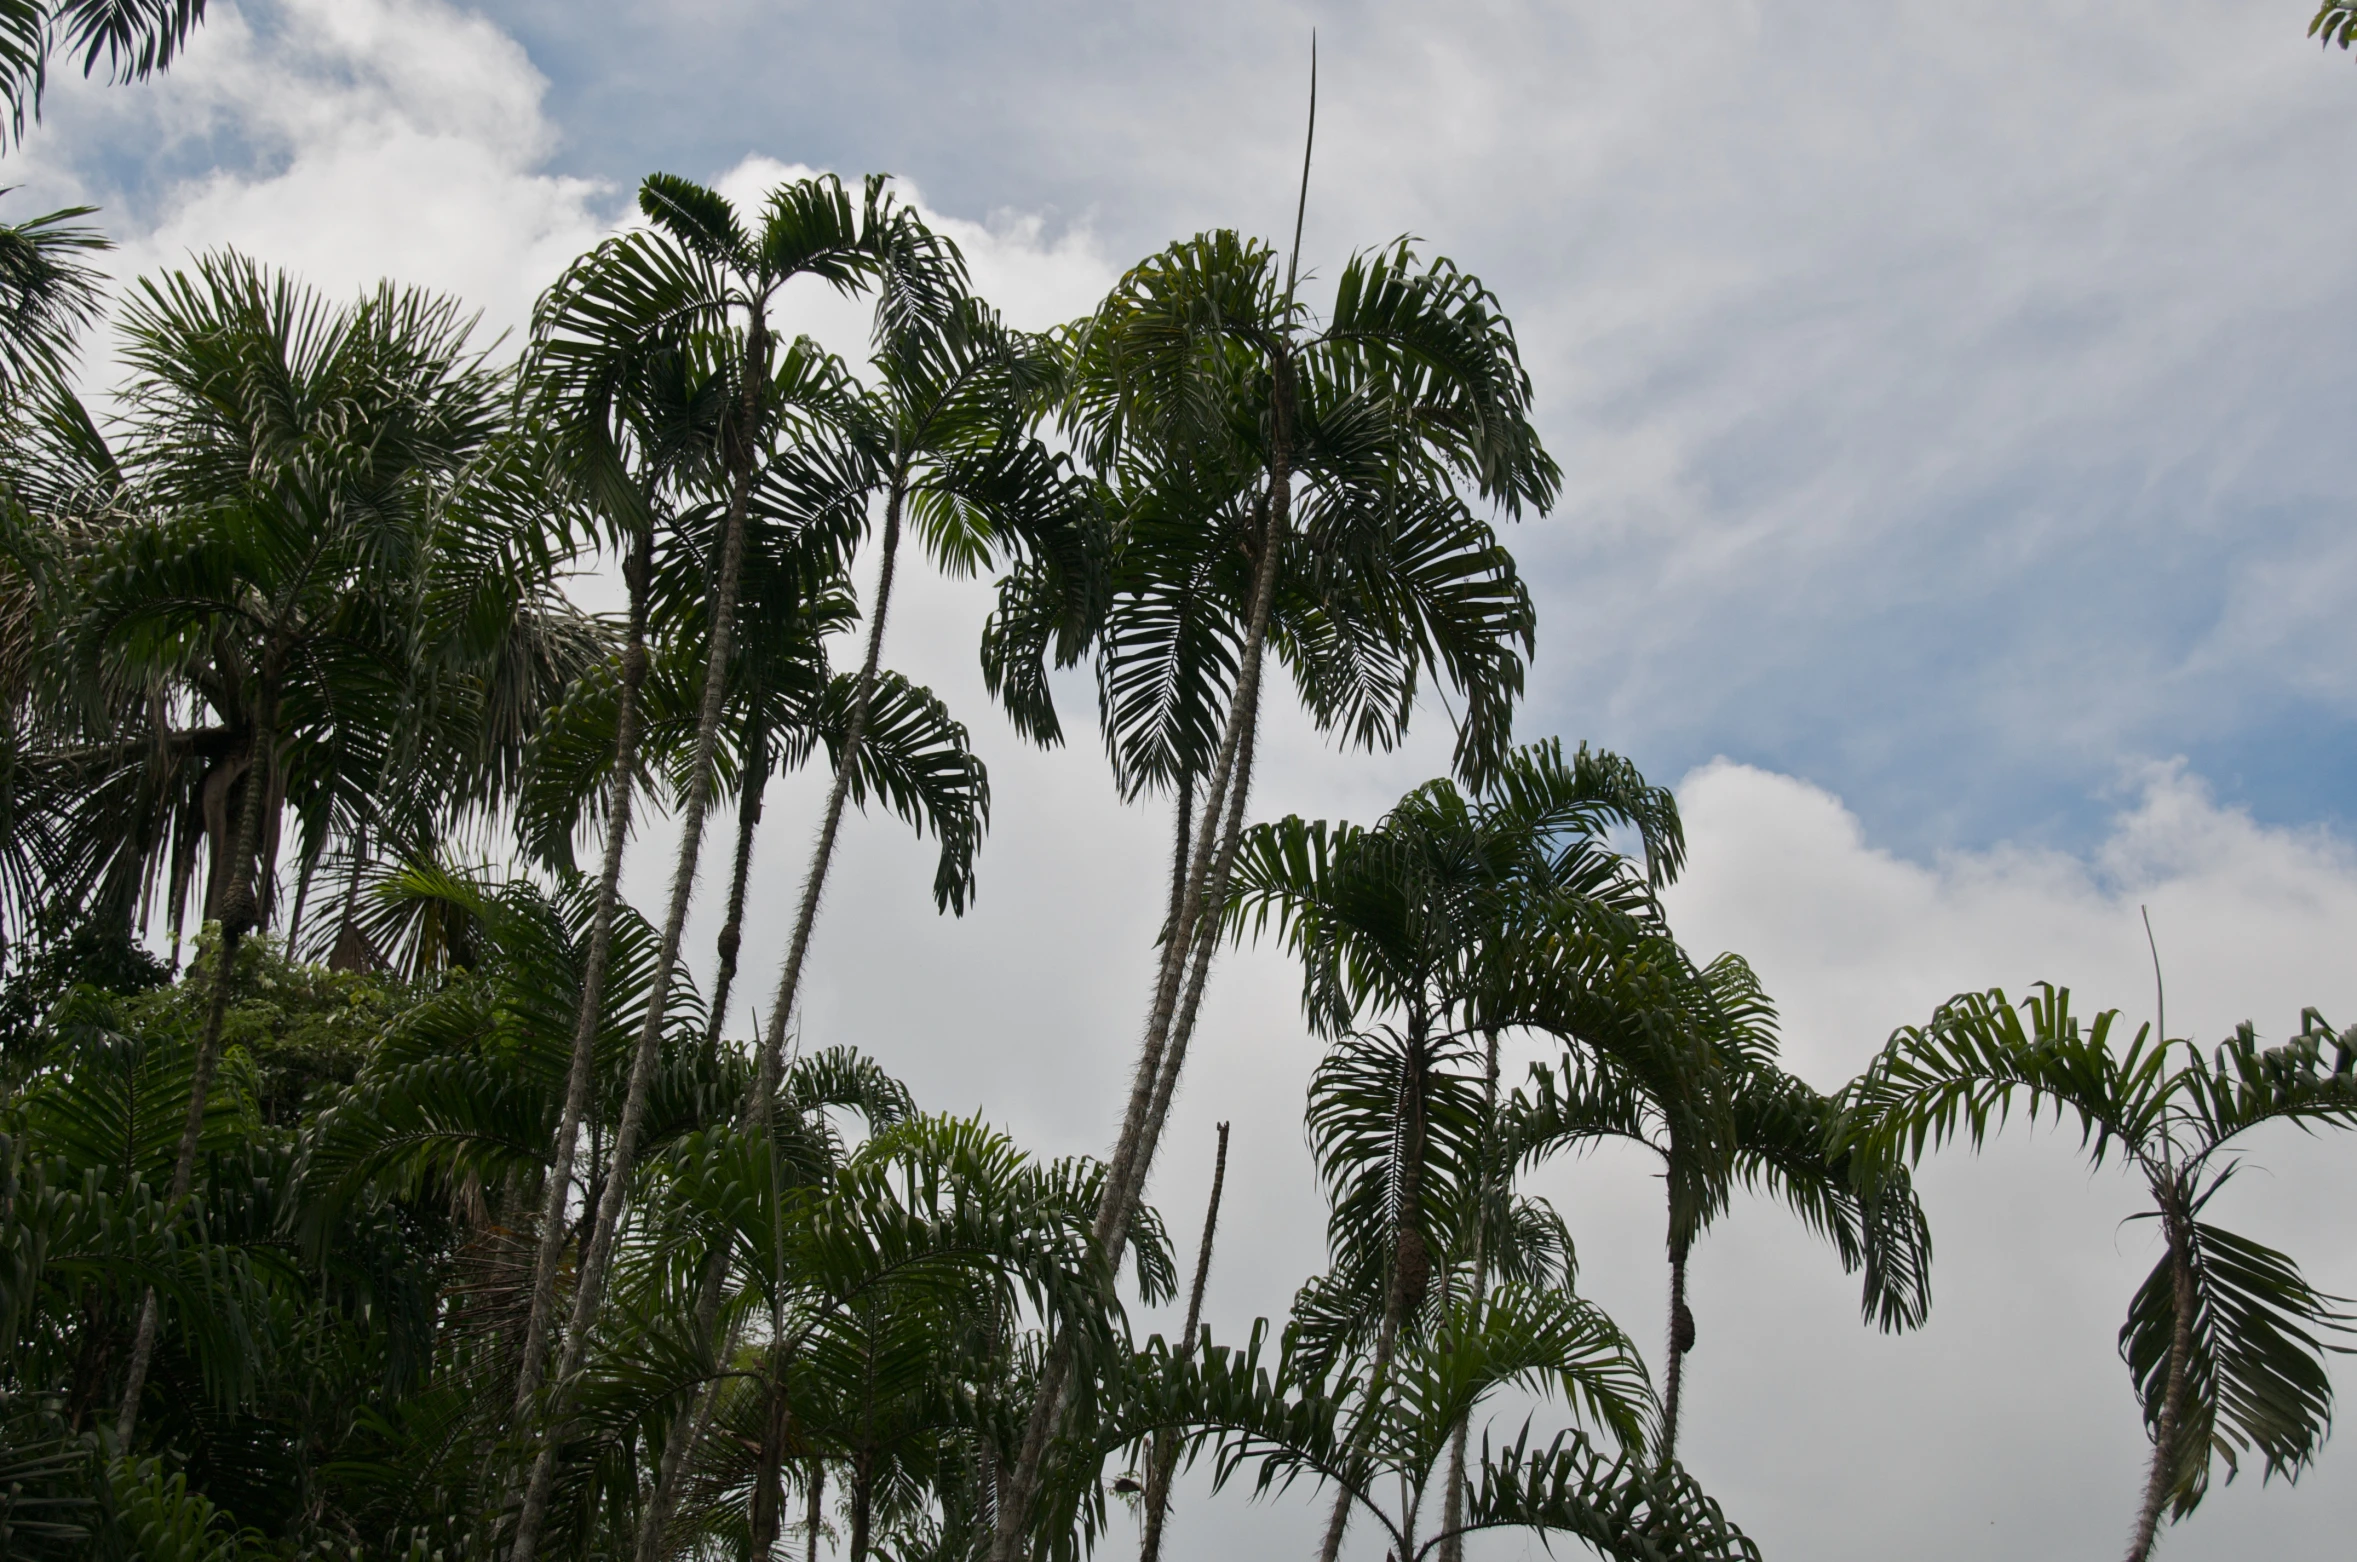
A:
<point x="1952" y="402"/>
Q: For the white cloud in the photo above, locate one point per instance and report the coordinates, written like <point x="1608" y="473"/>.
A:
<point x="344" y="140"/>
<point x="1034" y="280"/>
<point x="1809" y="305"/>
<point x="2007" y="1427"/>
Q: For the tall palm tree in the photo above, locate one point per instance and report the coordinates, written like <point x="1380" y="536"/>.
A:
<point x="1775" y="1142"/>
<point x="289" y="458"/>
<point x="1421" y="919"/>
<point x="700" y="283"/>
<point x="2225" y="1341"/>
<point x="1326" y="459"/>
<point x="941" y="441"/>
<point x="785" y="704"/>
<point x="126" y="766"/>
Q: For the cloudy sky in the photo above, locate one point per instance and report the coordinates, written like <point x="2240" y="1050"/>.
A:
<point x="1954" y="402"/>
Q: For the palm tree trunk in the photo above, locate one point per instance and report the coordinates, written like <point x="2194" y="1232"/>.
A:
<point x="1179" y="853"/>
<point x="2165" y="1466"/>
<point x="1410" y="1264"/>
<point x="348" y="915"/>
<point x="1452" y="1514"/>
<point x="816" y="1510"/>
<point x="687" y="1427"/>
<point x="238" y="915"/>
<point x="1133" y="1153"/>
<point x="1681" y="1341"/>
<point x="637" y="574"/>
<point x="1206" y="891"/>
<point x="294" y="918"/>
<point x="590" y="1290"/>
<point x="768" y="1515"/>
<point x="750" y="785"/>
<point x="789" y="986"/>
<point x="1166" y="1446"/>
<point x="1207" y="930"/>
<point x="863" y="1501"/>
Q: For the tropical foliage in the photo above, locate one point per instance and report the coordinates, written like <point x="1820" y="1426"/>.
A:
<point x="376" y="1182"/>
<point x="2225" y="1341"/>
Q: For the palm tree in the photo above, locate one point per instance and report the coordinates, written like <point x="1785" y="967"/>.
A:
<point x="940" y="441"/>
<point x="1422" y="919"/>
<point x="135" y="37"/>
<point x="1322" y="1416"/>
<point x="1162" y="1458"/>
<point x="784" y="705"/>
<point x="1774" y="1141"/>
<point x="2222" y="1338"/>
<point x="882" y="1283"/>
<point x="291" y="458"/>
<point x="48" y="294"/>
<point x="1202" y="391"/>
<point x="701" y="285"/>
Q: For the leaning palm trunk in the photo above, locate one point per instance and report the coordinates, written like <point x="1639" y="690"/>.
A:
<point x="773" y="1041"/>
<point x="751" y="783"/>
<point x="237" y="912"/>
<point x="1206" y="887"/>
<point x="1166" y="1447"/>
<point x="2167" y="1427"/>
<point x="1452" y="1521"/>
<point x="637" y="573"/>
<point x="1207" y="930"/>
<point x="589" y="1291"/>
<point x="1207" y="876"/>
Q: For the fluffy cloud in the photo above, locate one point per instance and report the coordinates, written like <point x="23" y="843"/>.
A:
<point x="2007" y="1427"/>
<point x="1936" y="389"/>
<point x="1939" y="387"/>
<point x="345" y="140"/>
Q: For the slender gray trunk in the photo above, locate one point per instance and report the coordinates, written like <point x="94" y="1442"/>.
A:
<point x="1681" y="1341"/>
<point x="1133" y="1153"/>
<point x="789" y="986"/>
<point x="687" y="1427"/>
<point x="2165" y="1433"/>
<point x="238" y="915"/>
<point x="1180" y="855"/>
<point x="751" y="784"/>
<point x="1166" y="1445"/>
<point x="590" y="1290"/>
<point x="1207" y="931"/>
<point x="1410" y="1266"/>
<point x="1452" y="1517"/>
<point x="637" y="573"/>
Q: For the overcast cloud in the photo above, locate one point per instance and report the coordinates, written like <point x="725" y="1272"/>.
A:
<point x="1952" y="400"/>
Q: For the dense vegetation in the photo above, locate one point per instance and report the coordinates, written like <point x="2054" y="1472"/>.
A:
<point x="376" y="1183"/>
